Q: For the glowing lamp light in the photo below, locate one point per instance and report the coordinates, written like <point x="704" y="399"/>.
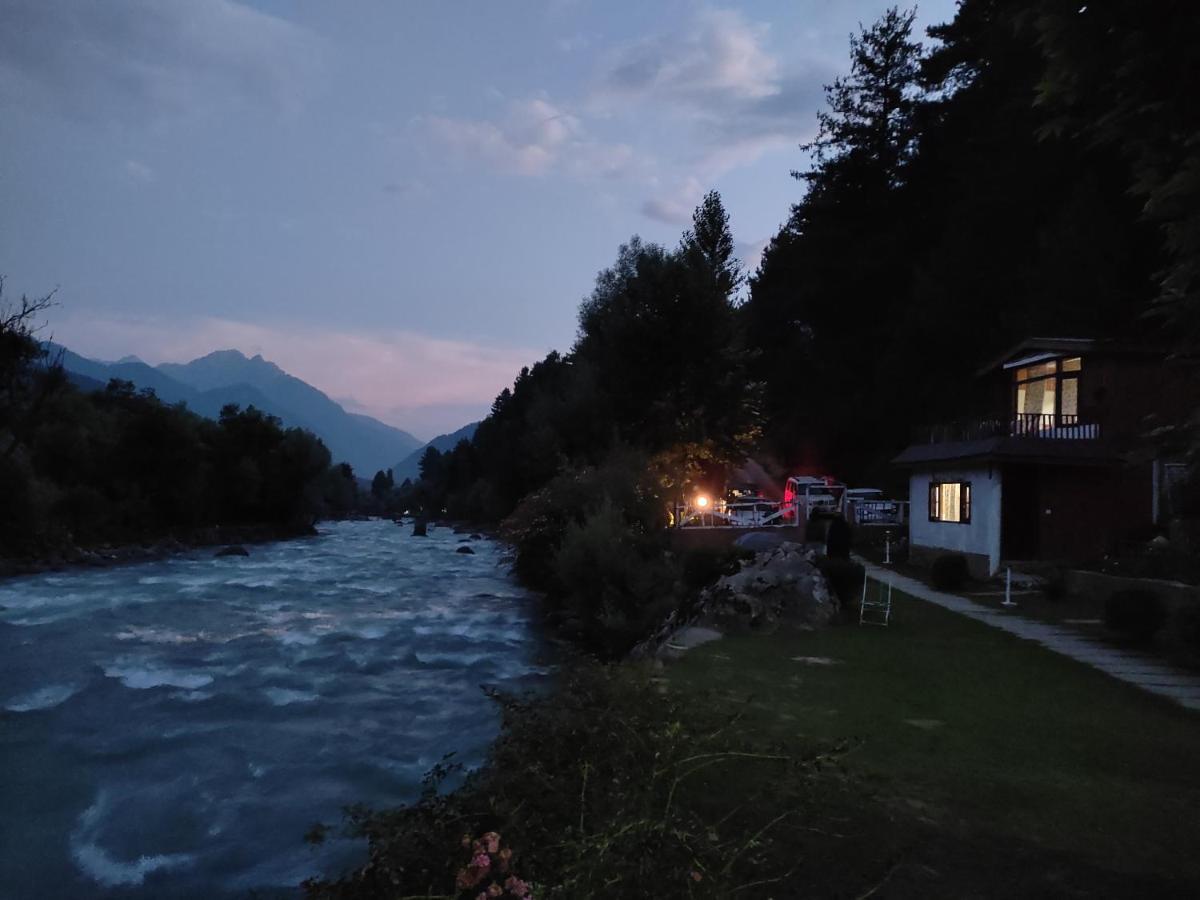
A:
<point x="702" y="501"/>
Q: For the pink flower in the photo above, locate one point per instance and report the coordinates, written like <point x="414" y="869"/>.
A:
<point x="492" y="840"/>
<point x="482" y="861"/>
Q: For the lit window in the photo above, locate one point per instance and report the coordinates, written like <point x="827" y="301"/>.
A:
<point x="1047" y="391"/>
<point x="950" y="501"/>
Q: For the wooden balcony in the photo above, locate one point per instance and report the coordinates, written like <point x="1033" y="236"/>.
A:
<point x="1024" y="425"/>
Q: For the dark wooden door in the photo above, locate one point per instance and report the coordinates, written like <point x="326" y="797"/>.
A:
<point x="1020" y="520"/>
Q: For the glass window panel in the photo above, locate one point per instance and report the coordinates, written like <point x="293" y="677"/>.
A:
<point x="1036" y="398"/>
<point x="1041" y="370"/>
<point x="1074" y="364"/>
<point x="1070" y="396"/>
<point x="948" y="502"/>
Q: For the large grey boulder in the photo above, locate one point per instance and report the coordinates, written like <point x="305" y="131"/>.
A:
<point x="780" y="587"/>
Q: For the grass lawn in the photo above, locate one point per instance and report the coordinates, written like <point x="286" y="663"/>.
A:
<point x="989" y="764"/>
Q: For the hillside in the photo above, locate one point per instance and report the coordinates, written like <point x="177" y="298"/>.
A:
<point x="410" y="466"/>
<point x="227" y="376"/>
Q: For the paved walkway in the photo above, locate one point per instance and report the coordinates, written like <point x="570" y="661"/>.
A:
<point x="1138" y="669"/>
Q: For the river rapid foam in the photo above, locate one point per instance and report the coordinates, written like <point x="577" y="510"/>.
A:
<point x="173" y="728"/>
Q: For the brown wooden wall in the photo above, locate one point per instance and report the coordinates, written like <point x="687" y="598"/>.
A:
<point x="1084" y="513"/>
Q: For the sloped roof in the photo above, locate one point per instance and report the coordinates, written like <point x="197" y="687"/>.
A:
<point x="1063" y="346"/>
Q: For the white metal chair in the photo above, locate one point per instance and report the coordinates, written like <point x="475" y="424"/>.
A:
<point x="877" y="609"/>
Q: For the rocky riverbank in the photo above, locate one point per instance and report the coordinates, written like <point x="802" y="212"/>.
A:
<point x="103" y="555"/>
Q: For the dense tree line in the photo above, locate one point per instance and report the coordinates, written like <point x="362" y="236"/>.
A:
<point x="658" y="364"/>
<point x="117" y="465"/>
<point x="1031" y="170"/>
<point x="949" y="212"/>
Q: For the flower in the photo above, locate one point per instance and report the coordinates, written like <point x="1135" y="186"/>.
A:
<point x="494" y="890"/>
<point x="492" y="840"/>
<point x="481" y="861"/>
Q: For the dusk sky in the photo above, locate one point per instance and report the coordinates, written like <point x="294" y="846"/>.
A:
<point x="401" y="203"/>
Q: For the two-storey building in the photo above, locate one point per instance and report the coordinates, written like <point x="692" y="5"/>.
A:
<point x="1062" y="469"/>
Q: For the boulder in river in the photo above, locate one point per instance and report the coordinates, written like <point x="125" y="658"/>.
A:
<point x="420" y="526"/>
<point x="464" y="549"/>
<point x="233" y="550"/>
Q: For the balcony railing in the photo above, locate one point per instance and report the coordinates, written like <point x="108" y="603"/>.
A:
<point x="1030" y="425"/>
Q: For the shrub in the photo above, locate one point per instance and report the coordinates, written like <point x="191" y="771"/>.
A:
<point x="616" y="584"/>
<point x="1054" y="588"/>
<point x="703" y="566"/>
<point x="838" y="539"/>
<point x="845" y="578"/>
<point x="949" y="572"/>
<point x="1184" y="627"/>
<point x="538" y="526"/>
<point x="1135" y="614"/>
<point x="815" y="530"/>
<point x="611" y="787"/>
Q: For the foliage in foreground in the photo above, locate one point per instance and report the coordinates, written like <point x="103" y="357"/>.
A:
<point x="611" y="787"/>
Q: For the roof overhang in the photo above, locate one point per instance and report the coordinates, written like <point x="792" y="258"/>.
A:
<point x="1035" y="349"/>
<point x="1047" y="451"/>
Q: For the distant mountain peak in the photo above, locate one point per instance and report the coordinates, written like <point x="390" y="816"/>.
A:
<point x="130" y="359"/>
<point x="230" y="355"/>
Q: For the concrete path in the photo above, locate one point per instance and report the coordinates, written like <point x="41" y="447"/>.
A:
<point x="1138" y="669"/>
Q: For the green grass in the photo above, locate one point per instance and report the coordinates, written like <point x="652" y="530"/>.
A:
<point x="1013" y="746"/>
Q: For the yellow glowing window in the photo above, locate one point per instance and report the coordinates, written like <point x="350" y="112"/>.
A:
<point x="950" y="501"/>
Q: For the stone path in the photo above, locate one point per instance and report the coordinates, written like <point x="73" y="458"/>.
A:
<point x="1135" y="668"/>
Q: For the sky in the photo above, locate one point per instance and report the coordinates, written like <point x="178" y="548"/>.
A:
<point x="401" y="203"/>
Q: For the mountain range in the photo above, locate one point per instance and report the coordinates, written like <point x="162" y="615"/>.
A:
<point x="410" y="466"/>
<point x="227" y="376"/>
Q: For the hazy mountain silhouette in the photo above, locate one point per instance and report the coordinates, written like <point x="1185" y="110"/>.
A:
<point x="410" y="466"/>
<point x="227" y="376"/>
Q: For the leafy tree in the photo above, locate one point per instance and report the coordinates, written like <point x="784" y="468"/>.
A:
<point x="1123" y="74"/>
<point x="869" y="133"/>
<point x="836" y="277"/>
<point x="28" y="376"/>
<point x="382" y="484"/>
<point x="708" y="245"/>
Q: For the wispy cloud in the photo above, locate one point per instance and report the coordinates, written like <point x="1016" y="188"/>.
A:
<point x="137" y="170"/>
<point x="716" y="57"/>
<point x="139" y="60"/>
<point x="532" y="137"/>
<point x="717" y="79"/>
<point x="417" y="382"/>
<point x="675" y="206"/>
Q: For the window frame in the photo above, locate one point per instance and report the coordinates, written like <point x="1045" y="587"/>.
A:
<point x="1060" y="375"/>
<point x="934" y="502"/>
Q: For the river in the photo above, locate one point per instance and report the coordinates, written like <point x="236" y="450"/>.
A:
<point x="172" y="729"/>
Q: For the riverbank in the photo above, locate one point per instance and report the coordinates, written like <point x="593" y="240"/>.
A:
<point x="73" y="557"/>
<point x="932" y="758"/>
